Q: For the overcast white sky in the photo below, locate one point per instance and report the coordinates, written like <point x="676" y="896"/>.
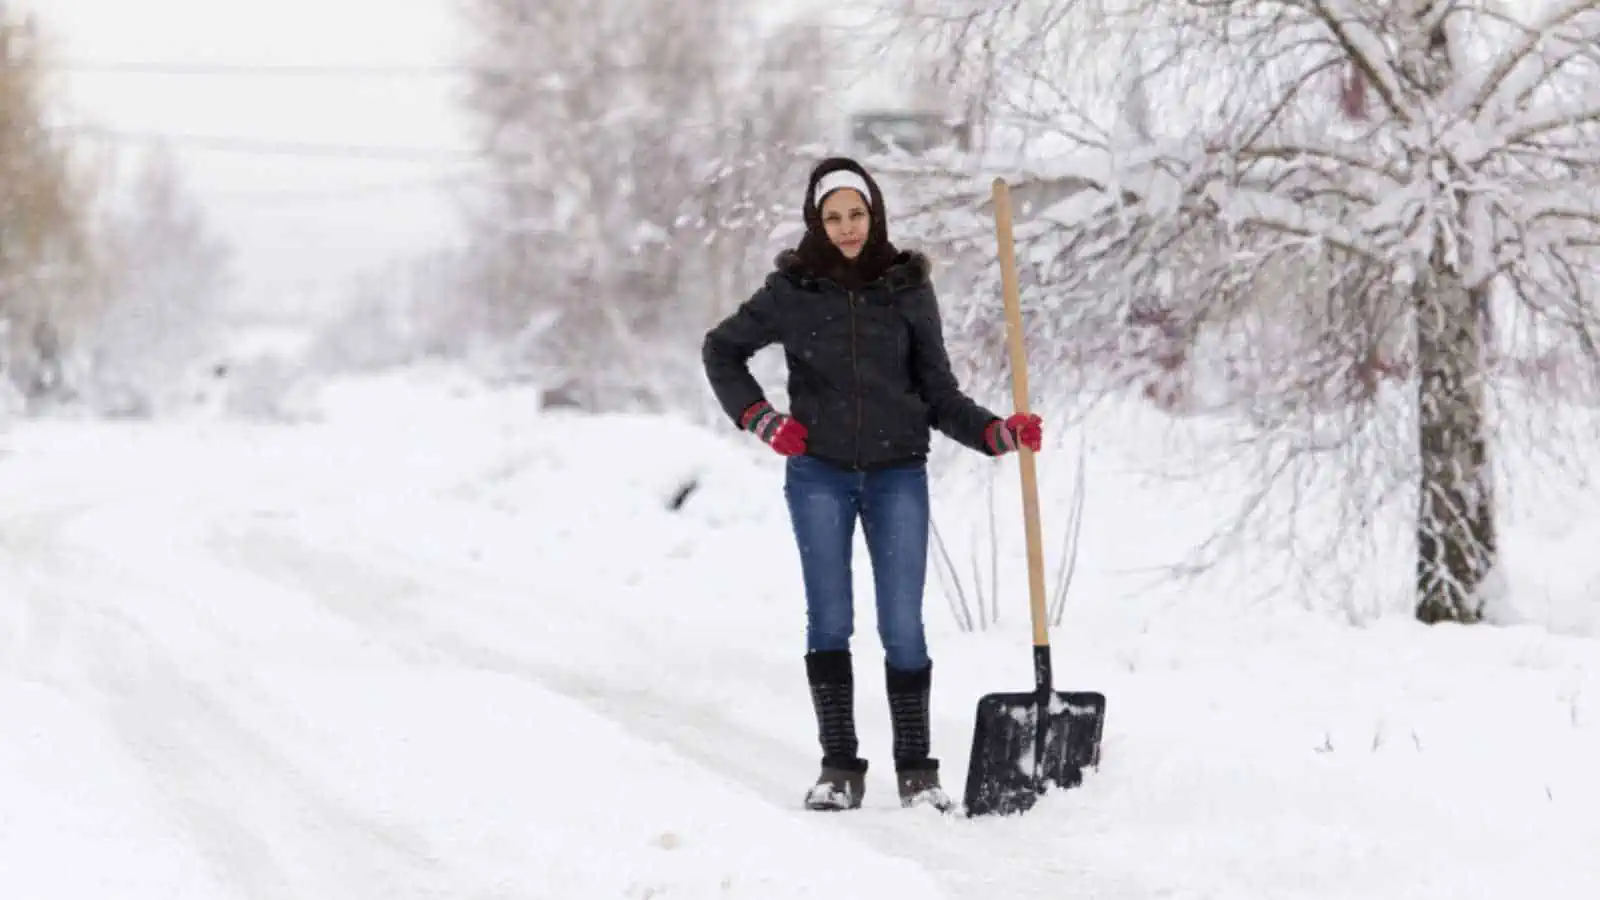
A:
<point x="302" y="224"/>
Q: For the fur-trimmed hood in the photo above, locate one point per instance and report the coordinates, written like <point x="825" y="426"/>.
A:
<point x="910" y="269"/>
<point x="819" y="255"/>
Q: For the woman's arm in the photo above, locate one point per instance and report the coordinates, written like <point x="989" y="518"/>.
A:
<point x="728" y="347"/>
<point x="954" y="413"/>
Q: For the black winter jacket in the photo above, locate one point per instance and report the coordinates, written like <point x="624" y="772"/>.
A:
<point x="868" y="371"/>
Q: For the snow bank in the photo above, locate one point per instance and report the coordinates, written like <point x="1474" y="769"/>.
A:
<point x="1556" y="579"/>
<point x="427" y="399"/>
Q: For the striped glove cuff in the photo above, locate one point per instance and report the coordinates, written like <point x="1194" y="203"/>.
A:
<point x="999" y="439"/>
<point x="761" y="420"/>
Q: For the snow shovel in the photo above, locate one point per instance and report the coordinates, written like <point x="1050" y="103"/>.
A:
<point x="1026" y="743"/>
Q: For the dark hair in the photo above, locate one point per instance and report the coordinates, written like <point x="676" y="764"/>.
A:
<point x="821" y="256"/>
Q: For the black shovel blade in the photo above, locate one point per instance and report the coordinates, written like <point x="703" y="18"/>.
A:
<point x="1003" y="778"/>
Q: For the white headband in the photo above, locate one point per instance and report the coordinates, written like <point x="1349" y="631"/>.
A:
<point x="841" y="178"/>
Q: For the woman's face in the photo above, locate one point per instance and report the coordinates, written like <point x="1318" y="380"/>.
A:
<point x="845" y="218"/>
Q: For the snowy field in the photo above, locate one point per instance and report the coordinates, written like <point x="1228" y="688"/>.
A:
<point x="439" y="646"/>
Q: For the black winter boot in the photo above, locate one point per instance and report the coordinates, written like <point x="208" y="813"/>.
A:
<point x="917" y="774"/>
<point x="843" y="779"/>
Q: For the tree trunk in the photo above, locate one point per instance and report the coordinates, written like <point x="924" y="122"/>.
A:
<point x="1455" y="516"/>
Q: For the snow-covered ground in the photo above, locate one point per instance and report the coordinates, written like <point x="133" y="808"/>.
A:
<point x="441" y="645"/>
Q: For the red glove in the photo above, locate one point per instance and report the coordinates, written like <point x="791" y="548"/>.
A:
<point x="1004" y="436"/>
<point x="781" y="432"/>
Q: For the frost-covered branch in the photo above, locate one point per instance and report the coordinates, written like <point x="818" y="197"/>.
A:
<point x="1367" y="51"/>
<point x="1538" y="123"/>
<point x="1503" y="79"/>
<point x="1245" y="208"/>
<point x="1344" y="158"/>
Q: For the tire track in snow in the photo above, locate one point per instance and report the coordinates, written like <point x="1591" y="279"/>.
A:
<point x="213" y="753"/>
<point x="34" y="638"/>
<point x="409" y="619"/>
<point x="432" y="608"/>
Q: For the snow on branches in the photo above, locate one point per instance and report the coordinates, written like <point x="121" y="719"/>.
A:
<point x="1332" y="196"/>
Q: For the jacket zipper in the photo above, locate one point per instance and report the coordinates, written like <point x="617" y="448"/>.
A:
<point x="855" y="367"/>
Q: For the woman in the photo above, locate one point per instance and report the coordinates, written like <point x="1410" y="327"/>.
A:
<point x="868" y="376"/>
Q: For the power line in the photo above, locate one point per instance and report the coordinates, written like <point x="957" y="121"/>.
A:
<point x="218" y="70"/>
<point x="265" y="147"/>
<point x="268" y="198"/>
<point x="254" y="146"/>
<point x="441" y="70"/>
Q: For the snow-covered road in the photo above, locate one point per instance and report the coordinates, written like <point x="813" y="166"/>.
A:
<point x="463" y="652"/>
<point x="210" y="689"/>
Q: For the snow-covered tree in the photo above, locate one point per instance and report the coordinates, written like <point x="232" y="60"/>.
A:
<point x="45" y="256"/>
<point x="165" y="276"/>
<point x="400" y="315"/>
<point x="1371" y="214"/>
<point x="638" y="148"/>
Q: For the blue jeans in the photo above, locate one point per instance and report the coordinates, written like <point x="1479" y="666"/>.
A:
<point x="892" y="504"/>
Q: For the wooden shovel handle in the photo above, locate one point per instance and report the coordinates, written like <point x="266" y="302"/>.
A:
<point x="1019" y="392"/>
